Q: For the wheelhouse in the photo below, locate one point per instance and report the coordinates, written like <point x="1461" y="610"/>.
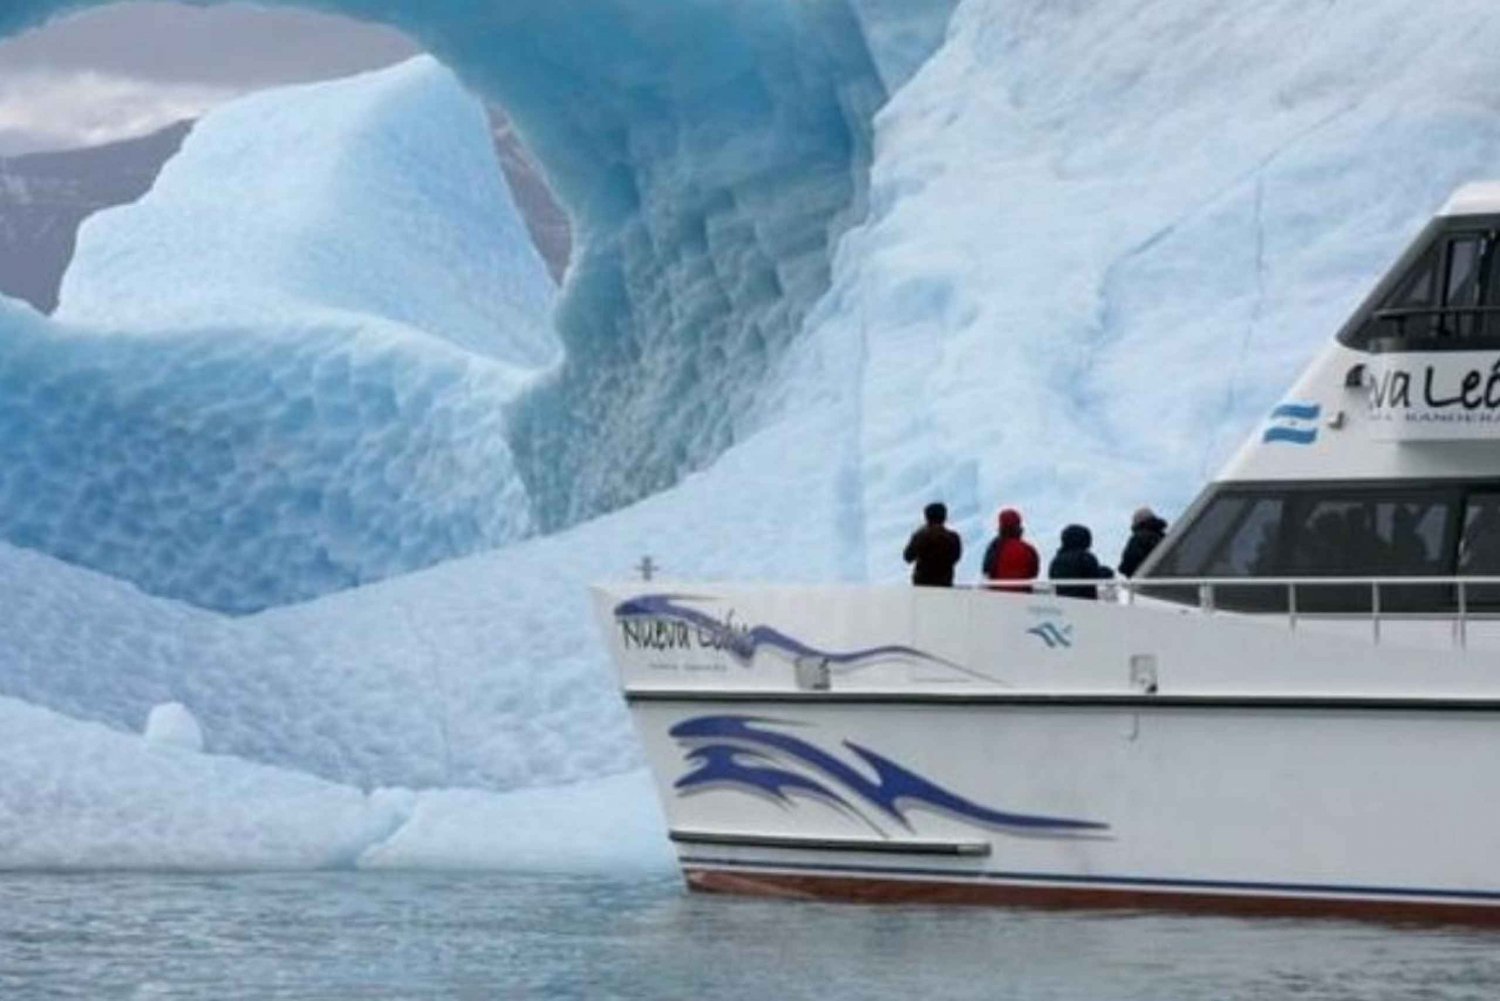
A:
<point x="1383" y="463"/>
<point x="1442" y="295"/>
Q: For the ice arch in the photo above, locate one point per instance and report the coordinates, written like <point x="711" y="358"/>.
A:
<point x="710" y="152"/>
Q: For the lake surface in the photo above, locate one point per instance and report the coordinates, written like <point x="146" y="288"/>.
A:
<point x="427" y="936"/>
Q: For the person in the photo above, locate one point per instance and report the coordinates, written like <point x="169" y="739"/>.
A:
<point x="1009" y="557"/>
<point x="934" y="549"/>
<point x="1146" y="533"/>
<point x="1076" y="561"/>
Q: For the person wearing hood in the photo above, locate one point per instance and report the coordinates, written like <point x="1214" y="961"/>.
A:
<point x="1146" y="533"/>
<point x="1009" y="557"/>
<point x="1075" y="561"/>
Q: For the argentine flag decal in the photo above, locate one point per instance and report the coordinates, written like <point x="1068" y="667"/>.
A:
<point x="1293" y="424"/>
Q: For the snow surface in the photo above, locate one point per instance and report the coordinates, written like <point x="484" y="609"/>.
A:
<point x="1100" y="242"/>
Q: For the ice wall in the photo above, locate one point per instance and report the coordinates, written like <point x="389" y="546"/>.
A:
<point x="1103" y="239"/>
<point x="720" y="150"/>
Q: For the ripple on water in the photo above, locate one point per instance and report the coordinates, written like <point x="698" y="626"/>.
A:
<point x="436" y="936"/>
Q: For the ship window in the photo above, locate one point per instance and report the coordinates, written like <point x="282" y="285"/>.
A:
<point x="1442" y="295"/>
<point x="1463" y="272"/>
<point x="1236" y="536"/>
<point x="1356" y="536"/>
<point x="1445" y="287"/>
<point x="1479" y="548"/>
<point x="1194" y="549"/>
<point x="1417" y="289"/>
<point x="1461" y="288"/>
<point x="1346" y="533"/>
<point x="1407" y="310"/>
<point x="1251" y="550"/>
<point x="1363" y="536"/>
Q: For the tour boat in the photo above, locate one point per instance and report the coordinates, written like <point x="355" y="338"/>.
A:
<point x="1293" y="708"/>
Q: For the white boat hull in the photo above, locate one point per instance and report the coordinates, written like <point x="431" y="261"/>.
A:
<point x="983" y="764"/>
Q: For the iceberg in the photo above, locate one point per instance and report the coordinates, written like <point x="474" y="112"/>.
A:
<point x="373" y="202"/>
<point x="463" y="715"/>
<point x="80" y="796"/>
<point x="251" y="400"/>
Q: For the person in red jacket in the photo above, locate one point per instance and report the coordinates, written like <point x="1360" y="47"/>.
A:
<point x="1009" y="557"/>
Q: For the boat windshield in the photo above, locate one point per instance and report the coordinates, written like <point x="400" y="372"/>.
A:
<point x="1337" y="530"/>
<point x="1444" y="294"/>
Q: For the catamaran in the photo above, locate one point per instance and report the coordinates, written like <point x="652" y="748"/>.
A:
<point x="1293" y="708"/>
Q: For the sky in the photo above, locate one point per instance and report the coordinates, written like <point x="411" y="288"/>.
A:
<point x="131" y="68"/>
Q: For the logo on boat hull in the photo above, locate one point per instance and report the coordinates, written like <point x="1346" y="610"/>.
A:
<point x="664" y="622"/>
<point x="1293" y="424"/>
<point x="1053" y="635"/>
<point x="755" y="755"/>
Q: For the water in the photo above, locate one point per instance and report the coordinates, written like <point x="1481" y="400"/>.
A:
<point x="434" y="936"/>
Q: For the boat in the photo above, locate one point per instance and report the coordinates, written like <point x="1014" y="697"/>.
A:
<point x="1293" y="708"/>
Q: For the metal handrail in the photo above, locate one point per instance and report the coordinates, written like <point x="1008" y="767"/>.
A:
<point x="1206" y="588"/>
<point x="1402" y="312"/>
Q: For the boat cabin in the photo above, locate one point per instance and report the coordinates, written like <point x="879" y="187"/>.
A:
<point x="1384" y="462"/>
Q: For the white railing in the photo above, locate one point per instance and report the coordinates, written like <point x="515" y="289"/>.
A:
<point x="1122" y="590"/>
<point x="1293" y="603"/>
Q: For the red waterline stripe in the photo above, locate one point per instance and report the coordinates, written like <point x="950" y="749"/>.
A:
<point x="877" y="889"/>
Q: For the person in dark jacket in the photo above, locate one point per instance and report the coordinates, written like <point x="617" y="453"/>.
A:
<point x="1146" y="533"/>
<point x="1075" y="561"/>
<point x="934" y="549"/>
<point x="1009" y="557"/>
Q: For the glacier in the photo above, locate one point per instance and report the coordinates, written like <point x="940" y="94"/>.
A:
<point x="1101" y="242"/>
<point x="1071" y="254"/>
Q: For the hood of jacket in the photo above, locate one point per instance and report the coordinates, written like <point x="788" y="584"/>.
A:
<point x="1077" y="537"/>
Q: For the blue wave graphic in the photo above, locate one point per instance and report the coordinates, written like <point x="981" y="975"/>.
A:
<point x="734" y="751"/>
<point x="1292" y="436"/>
<point x="742" y="768"/>
<point x="1298" y="411"/>
<point x="742" y="643"/>
<point x="1053" y="635"/>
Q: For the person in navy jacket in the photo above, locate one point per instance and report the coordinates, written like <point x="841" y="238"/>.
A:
<point x="1076" y="561"/>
